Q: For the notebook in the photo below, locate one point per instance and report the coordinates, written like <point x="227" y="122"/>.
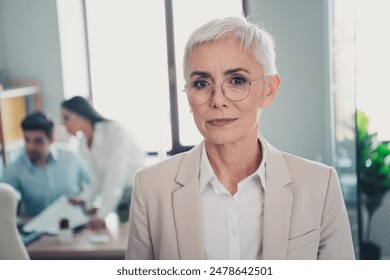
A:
<point x="48" y="220"/>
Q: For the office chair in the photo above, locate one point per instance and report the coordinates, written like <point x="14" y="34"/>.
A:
<point x="11" y="246"/>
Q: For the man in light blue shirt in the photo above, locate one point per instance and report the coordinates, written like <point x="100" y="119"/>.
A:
<point x="44" y="171"/>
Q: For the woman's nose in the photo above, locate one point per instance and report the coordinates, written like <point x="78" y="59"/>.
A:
<point x="218" y="98"/>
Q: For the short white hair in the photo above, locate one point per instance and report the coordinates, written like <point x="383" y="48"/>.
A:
<point x="251" y="36"/>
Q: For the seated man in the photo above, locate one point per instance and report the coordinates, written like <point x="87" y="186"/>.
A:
<point x="44" y="171"/>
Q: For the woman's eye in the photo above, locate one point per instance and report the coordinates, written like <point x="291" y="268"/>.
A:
<point x="238" y="81"/>
<point x="200" y="84"/>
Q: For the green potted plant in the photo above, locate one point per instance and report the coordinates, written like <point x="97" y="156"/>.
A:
<point x="373" y="160"/>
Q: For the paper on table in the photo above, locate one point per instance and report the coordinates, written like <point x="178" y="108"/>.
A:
<point x="48" y="220"/>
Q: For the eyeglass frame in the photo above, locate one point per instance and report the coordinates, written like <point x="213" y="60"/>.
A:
<point x="212" y="88"/>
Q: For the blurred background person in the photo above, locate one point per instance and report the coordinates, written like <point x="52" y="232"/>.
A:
<point x="45" y="170"/>
<point x="112" y="155"/>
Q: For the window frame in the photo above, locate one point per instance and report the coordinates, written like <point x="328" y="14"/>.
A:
<point x="177" y="147"/>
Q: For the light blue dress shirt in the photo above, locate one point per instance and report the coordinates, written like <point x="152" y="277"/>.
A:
<point x="64" y="175"/>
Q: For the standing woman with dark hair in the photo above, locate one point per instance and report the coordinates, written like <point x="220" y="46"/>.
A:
<point x="111" y="153"/>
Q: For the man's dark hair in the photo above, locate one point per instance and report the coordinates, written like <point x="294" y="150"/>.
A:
<point x="38" y="121"/>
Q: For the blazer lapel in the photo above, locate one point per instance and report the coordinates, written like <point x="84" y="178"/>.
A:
<point x="187" y="208"/>
<point x="278" y="203"/>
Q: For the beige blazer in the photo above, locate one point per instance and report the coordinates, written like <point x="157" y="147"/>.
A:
<point x="304" y="212"/>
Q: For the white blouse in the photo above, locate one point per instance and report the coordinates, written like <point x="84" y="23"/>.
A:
<point x="113" y="158"/>
<point x="232" y="225"/>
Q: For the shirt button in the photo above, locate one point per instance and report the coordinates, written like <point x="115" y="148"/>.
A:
<point x="233" y="231"/>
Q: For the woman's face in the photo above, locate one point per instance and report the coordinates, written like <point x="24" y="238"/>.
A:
<point x="71" y="120"/>
<point x="220" y="120"/>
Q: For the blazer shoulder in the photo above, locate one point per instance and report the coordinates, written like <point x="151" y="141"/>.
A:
<point x="300" y="162"/>
<point x="188" y="159"/>
<point x="308" y="170"/>
<point x="166" y="165"/>
<point x="159" y="176"/>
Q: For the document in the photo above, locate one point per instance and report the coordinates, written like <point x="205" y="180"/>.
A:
<point x="48" y="220"/>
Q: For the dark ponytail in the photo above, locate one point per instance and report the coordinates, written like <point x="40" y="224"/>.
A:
<point x="82" y="107"/>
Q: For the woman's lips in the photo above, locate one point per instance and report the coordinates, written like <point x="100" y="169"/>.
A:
<point x="221" y="122"/>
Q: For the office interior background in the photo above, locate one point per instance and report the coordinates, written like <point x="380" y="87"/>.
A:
<point x="126" y="57"/>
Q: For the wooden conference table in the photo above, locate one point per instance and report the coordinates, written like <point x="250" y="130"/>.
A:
<point x="86" y="244"/>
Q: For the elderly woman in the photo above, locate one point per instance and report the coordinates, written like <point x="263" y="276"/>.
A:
<point x="111" y="153"/>
<point x="234" y="196"/>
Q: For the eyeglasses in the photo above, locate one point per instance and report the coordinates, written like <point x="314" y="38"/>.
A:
<point x="236" y="89"/>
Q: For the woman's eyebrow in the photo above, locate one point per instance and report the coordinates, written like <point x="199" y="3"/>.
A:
<point x="205" y="74"/>
<point x="235" y="70"/>
<point x="201" y="74"/>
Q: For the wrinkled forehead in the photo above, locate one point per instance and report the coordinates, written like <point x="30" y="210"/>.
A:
<point x="230" y="45"/>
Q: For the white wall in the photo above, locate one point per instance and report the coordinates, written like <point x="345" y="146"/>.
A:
<point x="298" y="122"/>
<point x="30" y="47"/>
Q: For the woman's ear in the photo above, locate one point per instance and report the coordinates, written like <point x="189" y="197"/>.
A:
<point x="271" y="89"/>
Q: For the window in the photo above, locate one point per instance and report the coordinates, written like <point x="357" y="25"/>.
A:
<point x="130" y="80"/>
<point x="73" y="48"/>
<point x="128" y="62"/>
<point x="372" y="63"/>
<point x="189" y="15"/>
<point x="360" y="62"/>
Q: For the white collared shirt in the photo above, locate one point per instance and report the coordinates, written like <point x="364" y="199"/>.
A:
<point x="232" y="225"/>
<point x="113" y="158"/>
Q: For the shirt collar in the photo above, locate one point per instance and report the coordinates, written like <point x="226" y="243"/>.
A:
<point x="207" y="173"/>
